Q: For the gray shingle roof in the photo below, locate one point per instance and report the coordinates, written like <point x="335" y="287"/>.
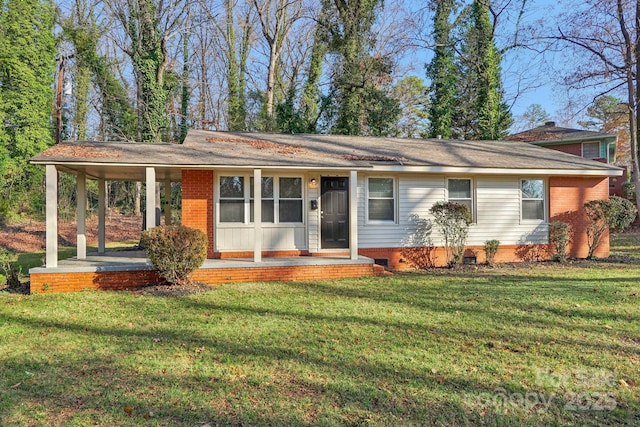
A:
<point x="226" y="149"/>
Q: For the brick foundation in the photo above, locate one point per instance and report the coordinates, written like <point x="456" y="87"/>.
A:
<point x="506" y="253"/>
<point x="117" y="280"/>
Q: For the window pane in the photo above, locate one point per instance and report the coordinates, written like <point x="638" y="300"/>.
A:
<point x="290" y="188"/>
<point x="381" y="210"/>
<point x="532" y="209"/>
<point x="290" y="211"/>
<point x="231" y="210"/>
<point x="267" y="211"/>
<point x="232" y="186"/>
<point x="267" y="187"/>
<point x="459" y="188"/>
<point x="532" y="189"/>
<point x="381" y="187"/>
<point x="591" y="150"/>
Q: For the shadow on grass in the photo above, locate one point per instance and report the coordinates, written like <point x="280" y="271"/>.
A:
<point x="104" y="390"/>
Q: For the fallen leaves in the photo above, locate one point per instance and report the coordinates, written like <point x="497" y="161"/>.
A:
<point x="259" y="144"/>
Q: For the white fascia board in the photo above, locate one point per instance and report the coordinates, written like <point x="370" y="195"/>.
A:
<point x="498" y="171"/>
<point x="377" y="168"/>
<point x="196" y="166"/>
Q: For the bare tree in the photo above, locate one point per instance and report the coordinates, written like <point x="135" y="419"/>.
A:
<point x="604" y="36"/>
<point x="277" y="18"/>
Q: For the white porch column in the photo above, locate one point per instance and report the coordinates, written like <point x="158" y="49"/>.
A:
<point x="167" y="202"/>
<point x="102" y="209"/>
<point x="257" y="215"/>
<point x="150" y="175"/>
<point x="52" y="216"/>
<point x="81" y="214"/>
<point x="353" y="214"/>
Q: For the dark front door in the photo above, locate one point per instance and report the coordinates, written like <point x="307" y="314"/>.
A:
<point x="334" y="217"/>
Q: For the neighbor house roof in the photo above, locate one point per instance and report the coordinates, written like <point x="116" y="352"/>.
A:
<point x="206" y="149"/>
<point x="550" y="134"/>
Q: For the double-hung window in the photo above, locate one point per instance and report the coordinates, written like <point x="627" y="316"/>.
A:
<point x="289" y="199"/>
<point x="232" y="196"/>
<point x="460" y="190"/>
<point x="267" y="192"/>
<point x="533" y="199"/>
<point x="381" y="199"/>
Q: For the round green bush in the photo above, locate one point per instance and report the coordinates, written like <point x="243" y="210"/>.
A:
<point x="175" y="251"/>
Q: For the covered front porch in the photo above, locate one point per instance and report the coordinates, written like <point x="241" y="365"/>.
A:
<point x="126" y="269"/>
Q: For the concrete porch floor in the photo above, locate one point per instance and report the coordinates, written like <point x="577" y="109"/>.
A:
<point x="130" y="268"/>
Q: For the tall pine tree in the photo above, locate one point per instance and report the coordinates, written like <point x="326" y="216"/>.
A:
<point x="442" y="73"/>
<point x="493" y="116"/>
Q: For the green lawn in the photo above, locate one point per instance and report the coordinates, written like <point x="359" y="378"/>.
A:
<point x="552" y="345"/>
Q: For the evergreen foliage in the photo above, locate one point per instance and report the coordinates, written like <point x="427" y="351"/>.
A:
<point x="442" y="72"/>
<point x="119" y="118"/>
<point x="614" y="214"/>
<point x="359" y="102"/>
<point x="466" y="88"/>
<point x="27" y="66"/>
<point x="175" y="251"/>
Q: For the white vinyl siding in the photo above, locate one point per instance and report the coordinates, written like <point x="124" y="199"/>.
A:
<point x="497" y="213"/>
<point x="416" y="194"/>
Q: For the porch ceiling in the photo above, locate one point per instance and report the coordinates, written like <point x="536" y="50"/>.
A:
<point x="121" y="172"/>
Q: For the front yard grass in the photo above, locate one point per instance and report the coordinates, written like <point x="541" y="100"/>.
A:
<point x="550" y="345"/>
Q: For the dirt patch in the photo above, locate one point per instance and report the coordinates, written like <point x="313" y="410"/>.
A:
<point x="171" y="290"/>
<point x="29" y="236"/>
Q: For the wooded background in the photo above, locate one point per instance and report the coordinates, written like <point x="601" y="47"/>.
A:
<point x="148" y="70"/>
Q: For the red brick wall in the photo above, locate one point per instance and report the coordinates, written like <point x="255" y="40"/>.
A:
<point x="506" y="253"/>
<point x="575" y="149"/>
<point x="106" y="280"/>
<point x="197" y="203"/>
<point x="73" y="282"/>
<point x="567" y="196"/>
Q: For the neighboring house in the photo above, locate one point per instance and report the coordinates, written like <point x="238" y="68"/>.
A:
<point x="341" y="197"/>
<point x="597" y="146"/>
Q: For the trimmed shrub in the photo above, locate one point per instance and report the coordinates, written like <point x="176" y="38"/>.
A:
<point x="453" y="220"/>
<point x="615" y="214"/>
<point x="622" y="214"/>
<point x="417" y="246"/>
<point x="175" y="251"/>
<point x="559" y="236"/>
<point x="490" y="250"/>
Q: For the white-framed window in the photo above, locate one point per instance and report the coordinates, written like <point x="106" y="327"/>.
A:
<point x="289" y="199"/>
<point x="532" y="195"/>
<point x="282" y="199"/>
<point x="381" y="199"/>
<point x="232" y="198"/>
<point x="591" y="150"/>
<point x="268" y="201"/>
<point x="460" y="190"/>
